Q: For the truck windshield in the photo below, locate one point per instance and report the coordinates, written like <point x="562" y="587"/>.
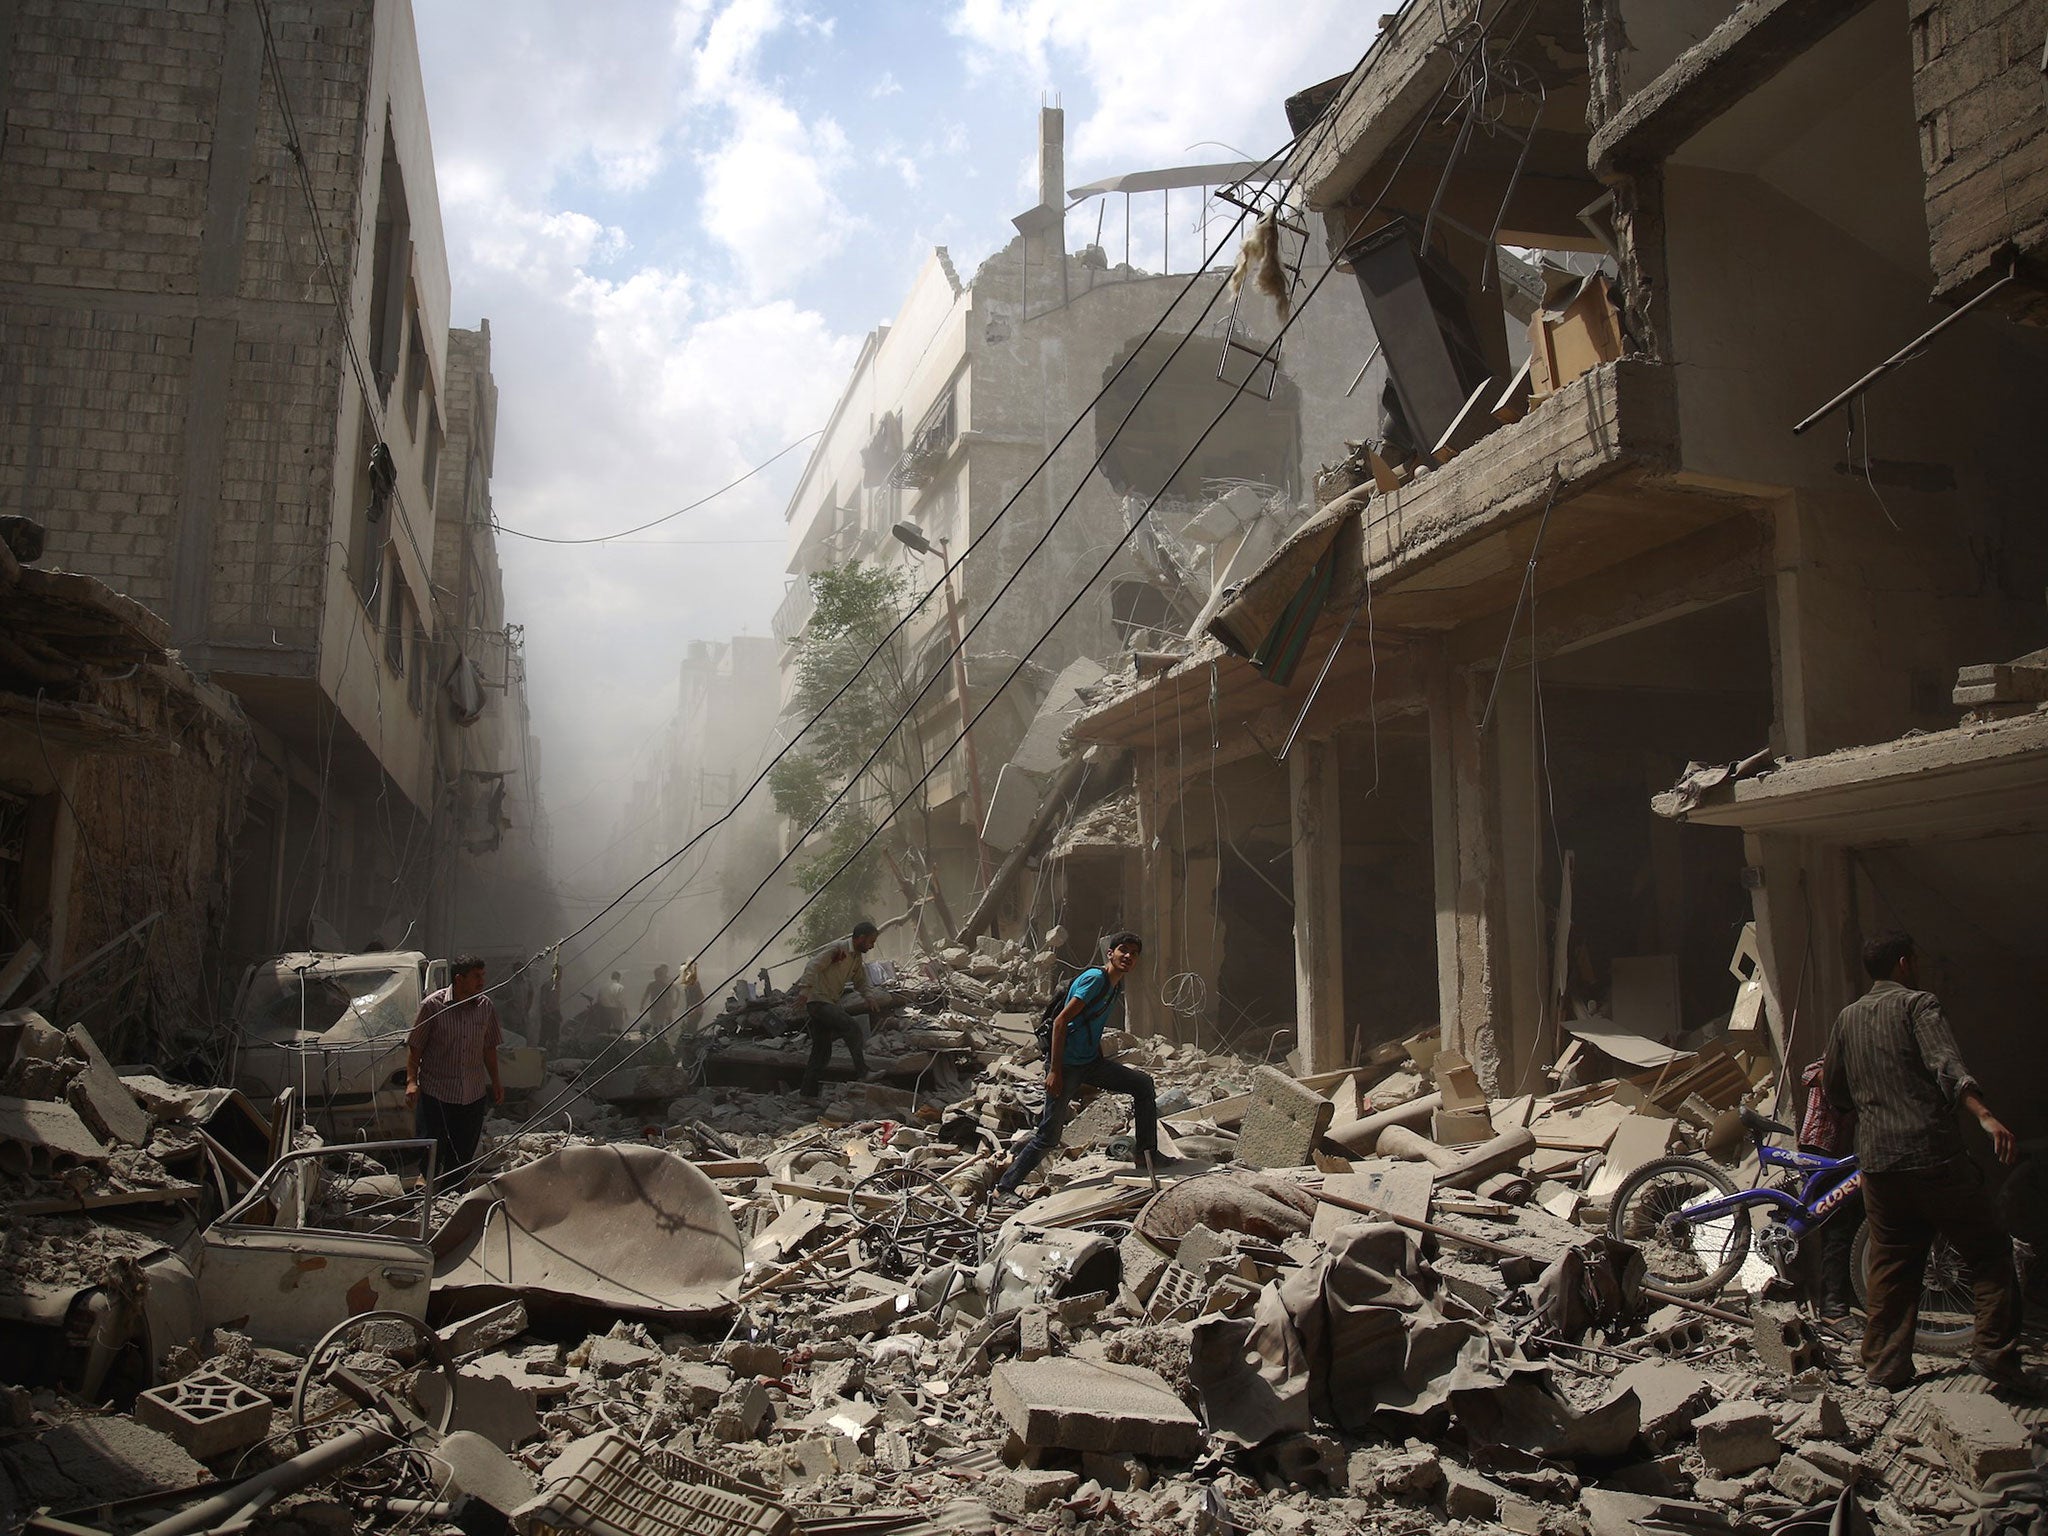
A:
<point x="352" y="1005"/>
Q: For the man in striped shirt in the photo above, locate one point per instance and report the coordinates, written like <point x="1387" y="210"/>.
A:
<point x="451" y="1066"/>
<point x="1892" y="1062"/>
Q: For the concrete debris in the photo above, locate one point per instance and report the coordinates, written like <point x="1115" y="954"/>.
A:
<point x="791" y="1312"/>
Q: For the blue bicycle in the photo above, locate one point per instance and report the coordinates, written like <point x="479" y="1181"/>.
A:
<point x="1694" y="1225"/>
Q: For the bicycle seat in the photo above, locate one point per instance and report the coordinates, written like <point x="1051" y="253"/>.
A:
<point x="1759" y="1126"/>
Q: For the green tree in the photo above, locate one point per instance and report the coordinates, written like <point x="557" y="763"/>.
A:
<point x="856" y="607"/>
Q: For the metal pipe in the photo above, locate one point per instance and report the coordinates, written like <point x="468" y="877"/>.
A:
<point x="328" y="1459"/>
<point x="1904" y="353"/>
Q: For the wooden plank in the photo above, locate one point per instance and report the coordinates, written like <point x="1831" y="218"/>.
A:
<point x="169" y="1194"/>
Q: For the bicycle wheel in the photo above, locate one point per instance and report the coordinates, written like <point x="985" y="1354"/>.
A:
<point x="1687" y="1258"/>
<point x="1948" y="1306"/>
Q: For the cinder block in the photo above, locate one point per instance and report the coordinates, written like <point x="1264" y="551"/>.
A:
<point x="1736" y="1438"/>
<point x="1027" y="1491"/>
<point x="208" y="1414"/>
<point x="1978" y="1436"/>
<point x="1283" y="1123"/>
<point x="1088" y="1405"/>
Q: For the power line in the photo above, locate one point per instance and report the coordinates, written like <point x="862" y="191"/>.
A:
<point x="606" y="538"/>
<point x="1478" y="41"/>
<point x="1024" y="660"/>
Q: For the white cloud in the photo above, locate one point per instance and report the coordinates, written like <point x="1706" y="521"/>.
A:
<point x="768" y="193"/>
<point x="888" y="85"/>
<point x="1220" y="71"/>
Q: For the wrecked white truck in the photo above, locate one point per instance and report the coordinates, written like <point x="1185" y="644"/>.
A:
<point x="333" y="1027"/>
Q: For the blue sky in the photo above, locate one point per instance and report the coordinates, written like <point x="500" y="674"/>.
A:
<point x="682" y="217"/>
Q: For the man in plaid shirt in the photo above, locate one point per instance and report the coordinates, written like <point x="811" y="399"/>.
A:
<point x="451" y="1066"/>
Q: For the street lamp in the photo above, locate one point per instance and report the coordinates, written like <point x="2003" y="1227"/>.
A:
<point x="911" y="536"/>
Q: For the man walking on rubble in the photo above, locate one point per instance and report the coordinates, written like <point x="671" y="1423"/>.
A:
<point x="1074" y="1058"/>
<point x="451" y="1066"/>
<point x="824" y="979"/>
<point x="658" y="1002"/>
<point x="1892" y="1062"/>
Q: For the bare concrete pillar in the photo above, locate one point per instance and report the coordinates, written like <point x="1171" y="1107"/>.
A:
<point x="1318" y="828"/>
<point x="1471" y="944"/>
<point x="1519" y="1014"/>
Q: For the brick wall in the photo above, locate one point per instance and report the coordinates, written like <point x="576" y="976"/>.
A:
<point x="1982" y="101"/>
<point x="170" y="356"/>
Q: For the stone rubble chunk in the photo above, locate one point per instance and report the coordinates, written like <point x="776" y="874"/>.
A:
<point x="1978" y="1436"/>
<point x="1468" y="1496"/>
<point x="1089" y="1405"/>
<point x="1672" y="1396"/>
<point x="1028" y="1490"/>
<point x="1034" y="1333"/>
<point x="1736" y="1438"/>
<point x="1804" y="1483"/>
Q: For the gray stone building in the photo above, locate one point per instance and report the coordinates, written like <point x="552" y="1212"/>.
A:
<point x="1588" y="586"/>
<point x="227" y="390"/>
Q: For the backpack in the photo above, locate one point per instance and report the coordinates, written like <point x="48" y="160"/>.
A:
<point x="1061" y="996"/>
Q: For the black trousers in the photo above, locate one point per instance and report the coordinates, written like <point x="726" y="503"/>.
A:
<point x="455" y="1129"/>
<point x="1111" y="1077"/>
<point x="830" y="1022"/>
<point x="1906" y="1210"/>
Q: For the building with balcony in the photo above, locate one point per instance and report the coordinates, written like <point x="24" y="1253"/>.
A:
<point x="1623" y="538"/>
<point x="1056" y="351"/>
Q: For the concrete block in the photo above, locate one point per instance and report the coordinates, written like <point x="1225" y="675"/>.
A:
<point x="207" y="1413"/>
<point x="1088" y="1405"/>
<point x="1468" y="1496"/>
<point x="486" y="1330"/>
<point x="1804" y="1483"/>
<point x="99" y="1094"/>
<point x="1674" y="1331"/>
<point x="486" y="1404"/>
<point x="1178" y="1296"/>
<point x="702" y="1387"/>
<point x="1736" y="1438"/>
<point x="1034" y="1333"/>
<point x="738" y="1417"/>
<point x="1821" y="1419"/>
<point x="1977" y="1435"/>
<point x="1011" y="806"/>
<point x="866" y="1314"/>
<point x="1784" y="1340"/>
<point x="1835" y="1460"/>
<point x="1672" y="1396"/>
<point x="1414" y="1473"/>
<point x="615" y="1357"/>
<point x="1390" y="1184"/>
<point x="1283" y="1122"/>
<point x="1027" y="1491"/>
<point x="1142" y="1266"/>
<point x="748" y="1358"/>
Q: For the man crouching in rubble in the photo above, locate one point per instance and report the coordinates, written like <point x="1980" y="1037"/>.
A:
<point x="451" y="1061"/>
<point x="1892" y="1062"/>
<point x="824" y="979"/>
<point x="1075" y="1058"/>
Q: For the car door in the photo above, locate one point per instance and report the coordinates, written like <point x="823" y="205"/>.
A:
<point x="299" y="1253"/>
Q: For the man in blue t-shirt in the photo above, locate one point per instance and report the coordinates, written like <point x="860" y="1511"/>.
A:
<point x="1076" y="1058"/>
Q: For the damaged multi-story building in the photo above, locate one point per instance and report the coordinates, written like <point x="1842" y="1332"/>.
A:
<point x="1757" y="487"/>
<point x="229" y="391"/>
<point x="1064" y="349"/>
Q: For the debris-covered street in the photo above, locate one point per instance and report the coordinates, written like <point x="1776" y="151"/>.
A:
<point x="971" y="766"/>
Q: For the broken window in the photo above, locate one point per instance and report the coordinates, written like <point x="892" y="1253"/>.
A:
<point x="313" y="1003"/>
<point x="415" y="376"/>
<point x="390" y="264"/>
<point x="432" y="467"/>
<point x="394" y="625"/>
<point x="1256" y="440"/>
<point x="416" y="678"/>
<point x="929" y="445"/>
<point x="370" y="525"/>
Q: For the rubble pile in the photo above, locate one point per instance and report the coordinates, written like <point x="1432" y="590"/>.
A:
<point x="1377" y="1300"/>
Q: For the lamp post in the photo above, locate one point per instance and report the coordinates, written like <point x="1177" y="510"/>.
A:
<point x="912" y="537"/>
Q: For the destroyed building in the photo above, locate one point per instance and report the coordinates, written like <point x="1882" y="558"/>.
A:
<point x="708" y="754"/>
<point x="1626" y="537"/>
<point x="951" y="407"/>
<point x="245" y="421"/>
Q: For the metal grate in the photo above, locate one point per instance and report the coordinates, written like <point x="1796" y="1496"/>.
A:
<point x="607" y="1486"/>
